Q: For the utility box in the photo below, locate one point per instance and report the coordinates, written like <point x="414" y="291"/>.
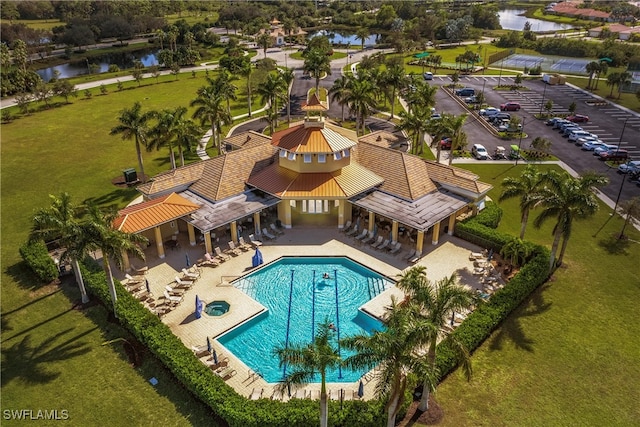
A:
<point x="554" y="79"/>
<point x="130" y="176"/>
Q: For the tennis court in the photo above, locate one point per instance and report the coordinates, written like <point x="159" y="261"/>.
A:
<point x="546" y="63"/>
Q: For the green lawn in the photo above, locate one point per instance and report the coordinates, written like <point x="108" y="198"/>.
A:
<point x="37" y="24"/>
<point x="569" y="355"/>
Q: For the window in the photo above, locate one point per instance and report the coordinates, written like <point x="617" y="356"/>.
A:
<point x="283" y="153"/>
<point x="345" y="153"/>
<point x="307" y="158"/>
<point x="292" y="203"/>
<point x="325" y="206"/>
<point x="292" y="156"/>
<point x="304" y="206"/>
<point x="322" y="158"/>
<point x="337" y="156"/>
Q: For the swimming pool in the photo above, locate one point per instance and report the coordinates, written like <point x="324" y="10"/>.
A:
<point x="297" y="298"/>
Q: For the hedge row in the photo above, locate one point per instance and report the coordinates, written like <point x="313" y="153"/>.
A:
<point x="235" y="409"/>
<point x="488" y="316"/>
<point x="36" y="255"/>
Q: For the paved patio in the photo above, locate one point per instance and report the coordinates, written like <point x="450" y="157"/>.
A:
<point x="449" y="256"/>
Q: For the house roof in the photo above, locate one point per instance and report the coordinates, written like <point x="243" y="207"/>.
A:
<point x="145" y="215"/>
<point x="456" y="177"/>
<point x="287" y="184"/>
<point x="247" y="139"/>
<point x="309" y="139"/>
<point x="383" y="138"/>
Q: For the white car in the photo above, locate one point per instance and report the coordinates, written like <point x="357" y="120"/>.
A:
<point x="592" y="145"/>
<point x="630" y="166"/>
<point x="581" y="141"/>
<point x="479" y="152"/>
<point x="573" y="136"/>
<point x="603" y="148"/>
<point x="489" y="111"/>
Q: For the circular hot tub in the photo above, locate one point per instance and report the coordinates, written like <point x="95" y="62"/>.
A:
<point x="216" y="308"/>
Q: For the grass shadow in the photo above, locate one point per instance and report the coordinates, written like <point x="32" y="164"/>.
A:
<point x="512" y="328"/>
<point x="23" y="276"/>
<point x="614" y="245"/>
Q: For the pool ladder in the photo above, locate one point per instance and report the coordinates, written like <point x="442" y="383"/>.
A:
<point x="375" y="286"/>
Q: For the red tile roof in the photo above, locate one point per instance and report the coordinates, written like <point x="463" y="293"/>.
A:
<point x="145" y="215"/>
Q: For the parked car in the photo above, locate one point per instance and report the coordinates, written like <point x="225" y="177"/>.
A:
<point x="445" y="143"/>
<point x="507" y="127"/>
<point x="467" y="91"/>
<point x="586" y="139"/>
<point x="489" y="112"/>
<point x="592" y="145"/>
<point x="510" y="106"/>
<point x="552" y="121"/>
<point x="576" y="134"/>
<point x="428" y="76"/>
<point x="614" y="155"/>
<point x="631" y="166"/>
<point x="435" y="116"/>
<point x="558" y="123"/>
<point x="578" y="118"/>
<point x="569" y="129"/>
<point x="479" y="152"/>
<point x="471" y="100"/>
<point x="603" y="148"/>
<point x="497" y="118"/>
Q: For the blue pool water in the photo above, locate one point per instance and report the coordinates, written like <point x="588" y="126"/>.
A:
<point x="298" y="283"/>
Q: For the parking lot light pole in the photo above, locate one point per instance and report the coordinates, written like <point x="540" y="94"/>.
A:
<point x="622" y="133"/>
<point x="619" y="194"/>
<point x="542" y="102"/>
<point x="520" y="142"/>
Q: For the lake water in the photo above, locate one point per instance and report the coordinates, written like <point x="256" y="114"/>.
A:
<point x="337" y="38"/>
<point x="510" y="19"/>
<point x="124" y="60"/>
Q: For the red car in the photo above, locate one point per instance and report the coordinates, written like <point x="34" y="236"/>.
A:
<point x="510" y="106"/>
<point x="445" y="143"/>
<point x="578" y="118"/>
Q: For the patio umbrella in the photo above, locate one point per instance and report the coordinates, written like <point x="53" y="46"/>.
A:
<point x="188" y="260"/>
<point x="209" y="348"/>
<point x="215" y="357"/>
<point x="199" y="307"/>
<point x="146" y="282"/>
<point x="257" y="258"/>
<point x="490" y="254"/>
<point x="360" y="390"/>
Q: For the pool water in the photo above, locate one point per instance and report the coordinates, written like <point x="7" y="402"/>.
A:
<point x="297" y="298"/>
<point x="216" y="308"/>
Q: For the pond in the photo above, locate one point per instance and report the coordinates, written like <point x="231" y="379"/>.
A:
<point x="337" y="38"/>
<point x="513" y="19"/>
<point x="124" y="60"/>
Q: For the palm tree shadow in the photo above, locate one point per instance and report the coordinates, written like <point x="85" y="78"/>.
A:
<point x="512" y="328"/>
<point x="117" y="196"/>
<point x="614" y="246"/>
<point x="29" y="362"/>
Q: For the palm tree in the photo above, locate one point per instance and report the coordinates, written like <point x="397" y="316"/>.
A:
<point x="458" y="137"/>
<point x="317" y="63"/>
<point x="287" y="75"/>
<point x="188" y="134"/>
<point x="438" y="129"/>
<point x="211" y="109"/>
<point x="360" y="99"/>
<point x="437" y="303"/>
<point x="416" y="124"/>
<point x="566" y="199"/>
<point x="630" y="208"/>
<point x="61" y="220"/>
<point x="526" y="188"/>
<point x="395" y="78"/>
<point x="602" y="70"/>
<point x="271" y="91"/>
<point x="339" y="91"/>
<point x="592" y="68"/>
<point x="425" y="95"/>
<point x="264" y="41"/>
<point x="133" y="124"/>
<point x="172" y="127"/>
<point x="624" y="78"/>
<point x="112" y="242"/>
<point x="613" y="79"/>
<point x="392" y="351"/>
<point x="223" y="86"/>
<point x="362" y="34"/>
<point x="245" y="71"/>
<point x="308" y="360"/>
<point x="515" y="251"/>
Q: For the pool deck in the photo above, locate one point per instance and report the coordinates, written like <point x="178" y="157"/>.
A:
<point x="449" y="256"/>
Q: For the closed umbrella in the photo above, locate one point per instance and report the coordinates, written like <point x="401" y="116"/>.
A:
<point x="209" y="347"/>
<point x="146" y="282"/>
<point x="215" y="357"/>
<point x="360" y="390"/>
<point x="188" y="260"/>
<point x="199" y="307"/>
<point x="256" y="260"/>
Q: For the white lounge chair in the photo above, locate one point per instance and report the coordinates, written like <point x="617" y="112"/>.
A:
<point x="377" y="242"/>
<point x="172" y="299"/>
<point x="183" y="282"/>
<point x="233" y="249"/>
<point x="396" y="248"/>
<point x="267" y="234"/>
<point x="346" y="227"/>
<point x="301" y="393"/>
<point x="353" y="231"/>
<point x="276" y="229"/>
<point x="208" y="261"/>
<point x="256" y="394"/>
<point x="219" y="255"/>
<point x="362" y="235"/>
<point x="416" y="257"/>
<point x="174" y="291"/>
<point x="131" y="279"/>
<point x="410" y="255"/>
<point x="384" y="245"/>
<point x="255" y="242"/>
<point x="243" y="245"/>
<point x="369" y="238"/>
<point x="191" y="274"/>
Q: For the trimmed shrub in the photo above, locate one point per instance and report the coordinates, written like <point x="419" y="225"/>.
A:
<point x="36" y="255"/>
<point x="490" y="216"/>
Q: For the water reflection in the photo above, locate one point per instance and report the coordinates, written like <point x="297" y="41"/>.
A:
<point x="337" y="38"/>
<point x="511" y="19"/>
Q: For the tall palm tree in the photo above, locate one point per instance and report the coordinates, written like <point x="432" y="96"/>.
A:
<point x="392" y="351"/>
<point x="515" y="251"/>
<point x="592" y="68"/>
<point x="245" y="71"/>
<point x="603" y="69"/>
<point x="264" y="41"/>
<point x="362" y="34"/>
<point x="309" y="360"/>
<point x="317" y="63"/>
<point x="566" y="199"/>
<point x="338" y="92"/>
<point x="211" y="109"/>
<point x="624" y="78"/>
<point x="438" y="129"/>
<point x="271" y="91"/>
<point x="613" y="80"/>
<point x="454" y="126"/>
<point x="188" y="135"/>
<point x="113" y="244"/>
<point x="415" y="123"/>
<point x="222" y="85"/>
<point x="630" y="208"/>
<point x="133" y="124"/>
<point x="425" y="95"/>
<point x="361" y="99"/>
<point x="526" y="188"/>
<point x="395" y="79"/>
<point x="61" y="220"/>
<point x="437" y="303"/>
<point x="287" y="75"/>
<point x="173" y="127"/>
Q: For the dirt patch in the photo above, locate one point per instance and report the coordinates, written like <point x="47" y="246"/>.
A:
<point x="433" y="416"/>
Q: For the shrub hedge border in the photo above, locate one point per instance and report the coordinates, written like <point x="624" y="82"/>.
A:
<point x="36" y="255"/>
<point x="238" y="411"/>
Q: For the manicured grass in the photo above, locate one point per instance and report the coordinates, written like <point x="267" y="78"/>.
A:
<point x="569" y="355"/>
<point x="335" y="55"/>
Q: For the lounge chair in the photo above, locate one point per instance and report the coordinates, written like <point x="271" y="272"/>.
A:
<point x="475" y="255"/>
<point x="416" y="257"/>
<point x="346" y="227"/>
<point x="191" y="274"/>
<point x="410" y="255"/>
<point x="243" y="245"/>
<point x="223" y="362"/>
<point x="134" y="287"/>
<point x="134" y="279"/>
<point x="277" y="394"/>
<point x="275" y="229"/>
<point x="384" y="245"/>
<point x="143" y="295"/>
<point x="353" y="231"/>
<point x="219" y="255"/>
<point x="141" y="271"/>
<point x="232" y="249"/>
<point x="226" y="373"/>
<point x="362" y="235"/>
<point x="395" y="249"/>
<point x="268" y="235"/>
<point x="301" y="393"/>
<point x="208" y="261"/>
<point x="256" y="394"/>
<point x="370" y="238"/>
<point x="334" y="394"/>
<point x="201" y="351"/>
<point x="183" y="283"/>
<point x="377" y="243"/>
<point x="255" y="242"/>
<point x="174" y="291"/>
<point x="172" y="299"/>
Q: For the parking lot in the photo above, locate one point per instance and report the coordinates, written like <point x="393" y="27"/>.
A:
<point x="612" y="124"/>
